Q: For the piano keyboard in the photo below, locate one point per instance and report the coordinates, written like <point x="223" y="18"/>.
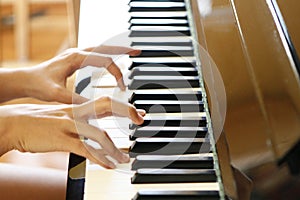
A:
<point x="172" y="152"/>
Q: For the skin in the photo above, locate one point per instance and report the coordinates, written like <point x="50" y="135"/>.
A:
<point x="47" y="81"/>
<point x="59" y="125"/>
<point x="63" y="132"/>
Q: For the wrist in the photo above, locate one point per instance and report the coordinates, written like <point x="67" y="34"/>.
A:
<point x="13" y="82"/>
<point x="4" y="133"/>
<point x="25" y="86"/>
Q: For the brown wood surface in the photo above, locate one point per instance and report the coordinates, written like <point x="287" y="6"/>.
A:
<point x="261" y="84"/>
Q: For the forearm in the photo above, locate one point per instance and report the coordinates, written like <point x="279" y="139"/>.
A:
<point x="12" y="84"/>
<point x="4" y="140"/>
<point x="3" y="146"/>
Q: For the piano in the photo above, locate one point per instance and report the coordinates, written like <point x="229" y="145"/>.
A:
<point x="174" y="45"/>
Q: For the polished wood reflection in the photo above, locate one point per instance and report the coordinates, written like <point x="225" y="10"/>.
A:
<point x="262" y="85"/>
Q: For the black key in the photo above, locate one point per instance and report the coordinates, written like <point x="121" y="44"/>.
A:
<point x="171" y="120"/>
<point x="169" y="106"/>
<point x="152" y="33"/>
<point x="153" y="24"/>
<point x="157" y="9"/>
<point x="173" y="162"/>
<point x="169" y="146"/>
<point x="160" y="82"/>
<point x="188" y="43"/>
<point x="169" y="132"/>
<point x="164" y="71"/>
<point x="166" y="94"/>
<point x="162" y="64"/>
<point x="174" y="176"/>
<point x="157" y="17"/>
<point x="156" y="1"/>
<point x="165" y="53"/>
<point x="158" y="22"/>
<point x="160" y="27"/>
<point x="177" y="195"/>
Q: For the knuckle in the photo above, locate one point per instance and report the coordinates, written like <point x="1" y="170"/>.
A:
<point x="55" y="91"/>
<point x="73" y="55"/>
<point x="131" y="109"/>
<point x="71" y="51"/>
<point x="114" y="153"/>
<point x="79" y="148"/>
<point x="107" y="103"/>
<point x="106" y="100"/>
<point x="108" y="61"/>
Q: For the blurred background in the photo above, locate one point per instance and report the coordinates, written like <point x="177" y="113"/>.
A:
<point x="26" y="41"/>
<point x="46" y="32"/>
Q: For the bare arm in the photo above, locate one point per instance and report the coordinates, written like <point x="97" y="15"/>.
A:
<point x="47" y="81"/>
<point x="12" y="84"/>
<point x="45" y="128"/>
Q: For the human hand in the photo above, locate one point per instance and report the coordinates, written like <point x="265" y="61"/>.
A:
<point x="45" y="128"/>
<point x="47" y="81"/>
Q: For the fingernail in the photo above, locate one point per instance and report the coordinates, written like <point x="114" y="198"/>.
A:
<point x="125" y="158"/>
<point x="121" y="85"/>
<point x="143" y="112"/>
<point x="111" y="165"/>
<point x="135" y="52"/>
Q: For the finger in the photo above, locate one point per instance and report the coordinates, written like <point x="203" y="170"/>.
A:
<point x="104" y="105"/>
<point x="105" y="49"/>
<point x="98" y="156"/>
<point x="63" y="95"/>
<point x="77" y="99"/>
<point x="70" y="142"/>
<point x="85" y="150"/>
<point x="94" y="59"/>
<point x="101" y="137"/>
<point x="141" y="112"/>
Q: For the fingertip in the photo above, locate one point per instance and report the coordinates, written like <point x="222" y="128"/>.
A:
<point x="125" y="158"/>
<point x="135" y="52"/>
<point x="139" y="120"/>
<point x="122" y="87"/>
<point x="141" y="112"/>
<point x="111" y="165"/>
<point x="121" y="84"/>
<point x="108" y="164"/>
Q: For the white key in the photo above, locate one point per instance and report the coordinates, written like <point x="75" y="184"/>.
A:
<point x="157" y="4"/>
<point x="159" y="14"/>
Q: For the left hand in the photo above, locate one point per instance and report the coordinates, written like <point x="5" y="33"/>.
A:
<point x="47" y="81"/>
<point x="60" y="127"/>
